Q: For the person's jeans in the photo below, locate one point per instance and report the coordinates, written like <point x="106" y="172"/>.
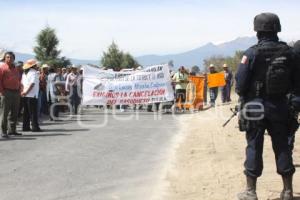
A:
<point x="9" y="108"/>
<point x="226" y="93"/>
<point x="278" y="131"/>
<point x="30" y="113"/>
<point x="42" y="103"/>
<point x="213" y="93"/>
<point x="74" y="99"/>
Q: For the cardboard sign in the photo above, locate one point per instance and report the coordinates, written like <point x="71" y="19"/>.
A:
<point x="216" y="80"/>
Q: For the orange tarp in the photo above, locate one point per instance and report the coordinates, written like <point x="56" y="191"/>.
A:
<point x="216" y="80"/>
<point x="194" y="93"/>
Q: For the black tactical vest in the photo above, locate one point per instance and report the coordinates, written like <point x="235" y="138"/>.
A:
<point x="271" y="71"/>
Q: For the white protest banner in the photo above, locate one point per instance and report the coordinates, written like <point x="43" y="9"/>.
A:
<point x="105" y="87"/>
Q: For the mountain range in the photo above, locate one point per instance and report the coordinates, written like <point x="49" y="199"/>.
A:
<point x="188" y="58"/>
<point x="196" y="56"/>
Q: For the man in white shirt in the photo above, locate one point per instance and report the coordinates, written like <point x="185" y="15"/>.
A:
<point x="30" y="93"/>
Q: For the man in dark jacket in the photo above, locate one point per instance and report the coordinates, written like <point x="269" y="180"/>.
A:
<point x="266" y="74"/>
<point x="226" y="89"/>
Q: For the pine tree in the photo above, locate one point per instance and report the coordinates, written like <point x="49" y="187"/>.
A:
<point x="115" y="59"/>
<point x="47" y="51"/>
<point x="129" y="62"/>
<point x="112" y="59"/>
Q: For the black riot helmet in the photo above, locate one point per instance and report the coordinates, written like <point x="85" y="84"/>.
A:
<point x="267" y="22"/>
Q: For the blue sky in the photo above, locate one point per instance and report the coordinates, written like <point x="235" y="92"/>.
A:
<point x="87" y="27"/>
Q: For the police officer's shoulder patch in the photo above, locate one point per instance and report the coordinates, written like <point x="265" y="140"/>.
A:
<point x="244" y="60"/>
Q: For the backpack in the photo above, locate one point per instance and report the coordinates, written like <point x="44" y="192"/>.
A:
<point x="272" y="71"/>
<point x="278" y="81"/>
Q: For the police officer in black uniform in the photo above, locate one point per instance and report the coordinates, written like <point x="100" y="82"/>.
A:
<point x="264" y="77"/>
<point x="297" y="47"/>
<point x="294" y="104"/>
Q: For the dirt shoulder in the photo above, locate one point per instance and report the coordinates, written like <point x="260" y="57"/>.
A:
<point x="208" y="162"/>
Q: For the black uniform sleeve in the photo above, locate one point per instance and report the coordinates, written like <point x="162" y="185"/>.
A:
<point x="243" y="73"/>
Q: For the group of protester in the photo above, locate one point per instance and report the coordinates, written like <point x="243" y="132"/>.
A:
<point x="181" y="80"/>
<point x="30" y="90"/>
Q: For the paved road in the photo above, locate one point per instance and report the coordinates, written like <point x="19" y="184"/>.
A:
<point x="102" y="157"/>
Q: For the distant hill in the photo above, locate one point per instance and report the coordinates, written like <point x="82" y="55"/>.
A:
<point x="188" y="58"/>
<point x="196" y="56"/>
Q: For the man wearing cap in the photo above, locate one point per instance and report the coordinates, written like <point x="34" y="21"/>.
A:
<point x="10" y="95"/>
<point x="30" y="93"/>
<point x="213" y="92"/>
<point x="226" y="89"/>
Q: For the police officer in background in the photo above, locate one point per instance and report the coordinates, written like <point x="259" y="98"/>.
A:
<point x="266" y="74"/>
<point x="297" y="47"/>
<point x="294" y="103"/>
